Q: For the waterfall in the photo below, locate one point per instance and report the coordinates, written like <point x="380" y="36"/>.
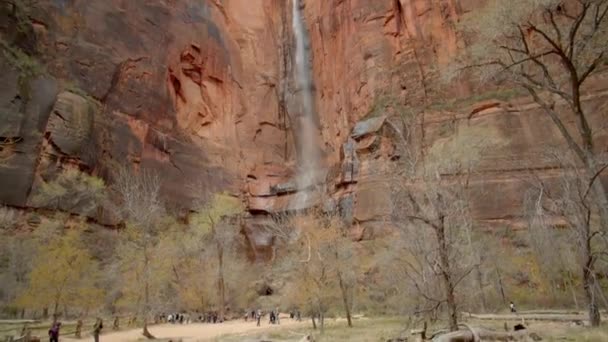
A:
<point x="309" y="154"/>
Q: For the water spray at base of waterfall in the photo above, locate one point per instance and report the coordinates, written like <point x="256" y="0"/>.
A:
<point x="309" y="153"/>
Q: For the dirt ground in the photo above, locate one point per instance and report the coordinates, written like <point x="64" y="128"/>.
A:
<point x="195" y="331"/>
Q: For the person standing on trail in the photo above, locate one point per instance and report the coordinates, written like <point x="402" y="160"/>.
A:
<point x="97" y="329"/>
<point x="512" y="307"/>
<point x="54" y="332"/>
<point x="258" y="316"/>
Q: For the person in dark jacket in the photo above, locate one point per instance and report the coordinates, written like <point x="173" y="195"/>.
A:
<point x="97" y="329"/>
<point x="54" y="332"/>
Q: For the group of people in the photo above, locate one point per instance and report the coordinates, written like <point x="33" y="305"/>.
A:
<point x="274" y="316"/>
<point x="186" y="318"/>
<point x="210" y="317"/>
<point x="175" y="318"/>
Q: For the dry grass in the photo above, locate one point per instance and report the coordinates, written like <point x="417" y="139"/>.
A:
<point x="364" y="330"/>
<point x="381" y="329"/>
<point x="567" y="332"/>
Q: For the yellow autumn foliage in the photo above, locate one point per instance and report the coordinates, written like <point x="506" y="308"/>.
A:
<point x="64" y="274"/>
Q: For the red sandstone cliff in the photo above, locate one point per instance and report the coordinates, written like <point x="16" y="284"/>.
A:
<point x="202" y="91"/>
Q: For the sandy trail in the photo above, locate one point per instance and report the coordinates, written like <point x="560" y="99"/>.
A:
<point x="193" y="332"/>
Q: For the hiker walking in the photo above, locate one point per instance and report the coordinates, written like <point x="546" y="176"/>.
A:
<point x="97" y="329"/>
<point x="258" y="316"/>
<point x="54" y="332"/>
<point x="512" y="307"/>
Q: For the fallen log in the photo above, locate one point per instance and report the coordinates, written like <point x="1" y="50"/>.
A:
<point x="529" y="317"/>
<point x="479" y="334"/>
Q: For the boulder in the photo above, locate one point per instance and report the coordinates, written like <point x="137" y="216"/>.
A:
<point x="365" y="127"/>
<point x="372" y="201"/>
<point x="71" y="123"/>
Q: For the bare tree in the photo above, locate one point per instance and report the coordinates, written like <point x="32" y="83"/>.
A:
<point x="142" y="209"/>
<point x="550" y="48"/>
<point x="555" y="254"/>
<point x="432" y="201"/>
<point x="570" y="202"/>
<point x="343" y="258"/>
<point x="442" y="207"/>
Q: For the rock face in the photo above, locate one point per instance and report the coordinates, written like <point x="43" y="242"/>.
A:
<point x="188" y="88"/>
<point x="202" y="91"/>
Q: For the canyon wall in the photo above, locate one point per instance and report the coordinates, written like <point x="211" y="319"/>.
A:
<point x="202" y="91"/>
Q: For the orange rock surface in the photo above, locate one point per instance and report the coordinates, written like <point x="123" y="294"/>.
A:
<point x="202" y="91"/>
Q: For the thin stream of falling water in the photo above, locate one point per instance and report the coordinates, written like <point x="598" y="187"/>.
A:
<point x="309" y="154"/>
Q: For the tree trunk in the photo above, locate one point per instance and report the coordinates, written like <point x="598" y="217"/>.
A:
<point x="146" y="332"/>
<point x="589" y="286"/>
<point x="446" y="273"/>
<point x="344" y="291"/>
<point x="601" y="199"/>
<point x="146" y="312"/>
<point x="314" y="324"/>
<point x="600" y="292"/>
<point x="221" y="286"/>
<point x="322" y="321"/>
<point x="482" y="297"/>
<point x="553" y="290"/>
<point x="502" y="289"/>
<point x="572" y="290"/>
<point x="56" y="311"/>
<point x="78" y="332"/>
<point x="589" y="277"/>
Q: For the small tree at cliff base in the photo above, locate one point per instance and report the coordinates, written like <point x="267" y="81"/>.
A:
<point x="63" y="273"/>
<point x="217" y="228"/>
<point x="73" y="191"/>
<point x="320" y="260"/>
